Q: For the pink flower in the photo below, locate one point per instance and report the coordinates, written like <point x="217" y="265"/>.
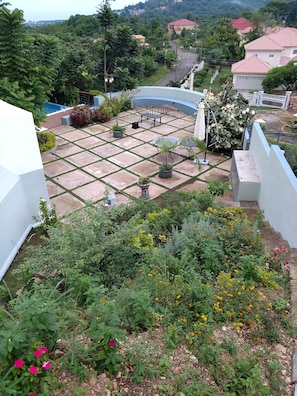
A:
<point x="267" y="265"/>
<point x="46" y="365"/>
<point x="287" y="268"/>
<point x="277" y="250"/>
<point x="39" y="352"/>
<point x="285" y="250"/>
<point x="33" y="370"/>
<point x="112" y="343"/>
<point x="19" y="363"/>
<point x="32" y="394"/>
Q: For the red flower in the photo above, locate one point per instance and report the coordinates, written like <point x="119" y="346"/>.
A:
<point x="19" y="363"/>
<point x="33" y="370"/>
<point x="39" y="352"/>
<point x="112" y="343"/>
<point x="46" y="365"/>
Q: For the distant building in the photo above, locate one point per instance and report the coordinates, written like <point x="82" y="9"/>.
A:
<point x="242" y="25"/>
<point x="141" y="39"/>
<point x="263" y="54"/>
<point x="181" y="24"/>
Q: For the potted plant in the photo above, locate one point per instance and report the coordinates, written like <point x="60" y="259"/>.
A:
<point x="165" y="170"/>
<point x="118" y="131"/>
<point x="144" y="183"/>
<point x="165" y="145"/>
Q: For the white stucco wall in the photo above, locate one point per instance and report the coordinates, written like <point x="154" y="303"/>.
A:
<point x="271" y="57"/>
<point x="22" y="181"/>
<point x="278" y="191"/>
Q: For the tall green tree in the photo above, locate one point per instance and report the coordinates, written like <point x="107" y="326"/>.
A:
<point x="25" y="81"/>
<point x="222" y="35"/>
<point x="105" y="16"/>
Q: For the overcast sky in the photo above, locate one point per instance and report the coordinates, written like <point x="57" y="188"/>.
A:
<point x="40" y="10"/>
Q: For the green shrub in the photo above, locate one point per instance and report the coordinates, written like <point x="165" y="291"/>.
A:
<point x="135" y="309"/>
<point x="217" y="188"/>
<point x="102" y="114"/>
<point x="46" y="141"/>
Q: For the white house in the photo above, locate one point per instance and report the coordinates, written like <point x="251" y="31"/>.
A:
<point x="272" y="50"/>
<point x="22" y="181"/>
<point x="250" y="72"/>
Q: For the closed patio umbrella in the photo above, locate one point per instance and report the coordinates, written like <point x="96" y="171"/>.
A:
<point x="199" y="129"/>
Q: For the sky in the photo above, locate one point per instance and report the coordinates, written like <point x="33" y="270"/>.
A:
<point x="40" y="10"/>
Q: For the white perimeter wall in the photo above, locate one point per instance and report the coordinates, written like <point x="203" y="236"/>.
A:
<point x="22" y="181"/>
<point x="278" y="191"/>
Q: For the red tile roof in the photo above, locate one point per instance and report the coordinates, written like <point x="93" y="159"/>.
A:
<point x="241" y="23"/>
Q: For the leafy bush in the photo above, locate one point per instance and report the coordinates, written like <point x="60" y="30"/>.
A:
<point x="46" y="141"/>
<point x="81" y="116"/>
<point x="102" y="114"/>
<point x="181" y="267"/>
<point x="218" y="188"/>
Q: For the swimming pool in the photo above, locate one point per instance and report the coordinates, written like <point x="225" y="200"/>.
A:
<point x="50" y="108"/>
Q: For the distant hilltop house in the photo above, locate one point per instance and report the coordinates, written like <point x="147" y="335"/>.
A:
<point x="181" y="24"/>
<point x="141" y="39"/>
<point x="242" y="25"/>
<point x="261" y="55"/>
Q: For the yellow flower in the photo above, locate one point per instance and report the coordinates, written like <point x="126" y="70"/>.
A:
<point x="252" y="288"/>
<point x="243" y="287"/>
<point x="156" y="299"/>
<point x="162" y="238"/>
<point x="219" y="298"/>
<point x="211" y="338"/>
<point x="204" y="318"/>
<point x="184" y="320"/>
<point x="191" y="342"/>
<point x="239" y="293"/>
<point x="149" y="274"/>
<point x="230" y="295"/>
<point x="178" y="296"/>
<point x="261" y="294"/>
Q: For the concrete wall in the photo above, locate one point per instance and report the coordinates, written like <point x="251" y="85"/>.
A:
<point x="22" y="181"/>
<point x="278" y="191"/>
<point x="184" y="100"/>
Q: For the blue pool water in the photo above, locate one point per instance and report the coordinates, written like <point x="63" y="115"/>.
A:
<point x="50" y="108"/>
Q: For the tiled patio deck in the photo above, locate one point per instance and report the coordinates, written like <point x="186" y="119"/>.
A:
<point x="90" y="160"/>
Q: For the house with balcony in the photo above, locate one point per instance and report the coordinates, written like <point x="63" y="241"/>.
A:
<point x="261" y="55"/>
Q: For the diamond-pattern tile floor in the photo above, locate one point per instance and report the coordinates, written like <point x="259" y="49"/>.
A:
<point x="88" y="162"/>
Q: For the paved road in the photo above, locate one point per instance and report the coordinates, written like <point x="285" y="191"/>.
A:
<point x="186" y="61"/>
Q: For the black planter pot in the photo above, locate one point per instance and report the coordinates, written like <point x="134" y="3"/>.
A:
<point x="144" y="190"/>
<point x="118" y="134"/>
<point x="166" y="173"/>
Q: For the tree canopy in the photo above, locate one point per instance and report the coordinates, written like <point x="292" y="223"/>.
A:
<point x="283" y="76"/>
<point x="27" y="64"/>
